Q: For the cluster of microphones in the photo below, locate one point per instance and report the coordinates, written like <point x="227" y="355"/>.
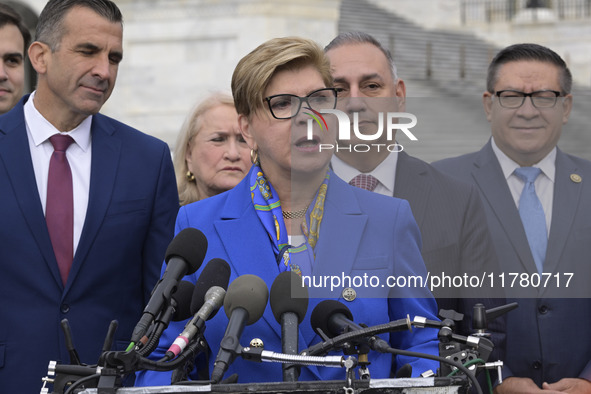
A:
<point x="244" y="302"/>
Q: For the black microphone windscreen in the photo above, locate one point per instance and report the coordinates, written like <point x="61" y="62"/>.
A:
<point x="404" y="372"/>
<point x="189" y="244"/>
<point x="182" y="296"/>
<point x="323" y="312"/>
<point x="216" y="273"/>
<point x="250" y="293"/>
<point x="289" y="294"/>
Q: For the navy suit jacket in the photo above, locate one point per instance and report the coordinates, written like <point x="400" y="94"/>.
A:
<point x="130" y="221"/>
<point x="548" y="335"/>
<point x="361" y="233"/>
<point x="456" y="239"/>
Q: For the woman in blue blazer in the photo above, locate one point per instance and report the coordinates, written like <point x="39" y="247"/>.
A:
<point x="290" y="197"/>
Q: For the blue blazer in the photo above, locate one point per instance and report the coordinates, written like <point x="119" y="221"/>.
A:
<point x="361" y="233"/>
<point x="548" y="335"/>
<point x="130" y="221"/>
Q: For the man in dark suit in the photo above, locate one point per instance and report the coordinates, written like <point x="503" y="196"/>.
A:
<point x="14" y="40"/>
<point x="527" y="101"/>
<point x="93" y="254"/>
<point x="449" y="213"/>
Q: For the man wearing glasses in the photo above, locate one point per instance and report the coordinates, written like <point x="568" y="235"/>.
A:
<point x="537" y="203"/>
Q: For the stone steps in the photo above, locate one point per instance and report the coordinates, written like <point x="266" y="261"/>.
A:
<point x="448" y="102"/>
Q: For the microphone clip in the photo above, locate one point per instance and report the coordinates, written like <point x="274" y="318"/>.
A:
<point x="252" y="353"/>
<point x="355" y="346"/>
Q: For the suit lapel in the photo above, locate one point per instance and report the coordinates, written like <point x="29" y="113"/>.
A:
<point x="240" y="222"/>
<point x="106" y="150"/>
<point x="245" y="238"/>
<point x="340" y="237"/>
<point x="342" y="216"/>
<point x="564" y="207"/>
<point x="489" y="178"/>
<point x="247" y="244"/>
<point x="16" y="156"/>
<point x="411" y="185"/>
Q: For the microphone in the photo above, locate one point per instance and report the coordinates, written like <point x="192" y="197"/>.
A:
<point x="110" y="336"/>
<point x="332" y="318"/>
<point x="289" y="303"/>
<point x="182" y="296"/>
<point x="244" y="304"/>
<point x="213" y="281"/>
<point x="179" y="307"/>
<point x="216" y="273"/>
<point x="174" y="311"/>
<point x="183" y="257"/>
<point x="74" y="358"/>
<point x="404" y="372"/>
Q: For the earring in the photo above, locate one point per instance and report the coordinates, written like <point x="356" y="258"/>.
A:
<point x="190" y="176"/>
<point x="254" y="156"/>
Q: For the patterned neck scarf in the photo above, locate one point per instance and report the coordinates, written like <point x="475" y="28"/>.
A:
<point x="268" y="208"/>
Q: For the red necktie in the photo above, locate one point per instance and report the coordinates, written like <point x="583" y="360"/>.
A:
<point x="365" y="181"/>
<point x="59" y="210"/>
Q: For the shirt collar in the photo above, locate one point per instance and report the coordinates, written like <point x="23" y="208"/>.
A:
<point x="547" y="164"/>
<point x="41" y="129"/>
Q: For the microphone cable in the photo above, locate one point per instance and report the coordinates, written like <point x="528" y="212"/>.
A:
<point x="191" y="351"/>
<point x="459" y="366"/>
<point x="80" y="382"/>
<point x="324" y="347"/>
<point x="397" y="325"/>
<point x="153" y="339"/>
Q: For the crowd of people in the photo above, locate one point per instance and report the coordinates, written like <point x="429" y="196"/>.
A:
<point x="89" y="205"/>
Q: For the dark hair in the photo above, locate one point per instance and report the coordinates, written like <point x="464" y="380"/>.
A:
<point x="50" y="27"/>
<point x="535" y="52"/>
<point x="359" y="37"/>
<point x="8" y="16"/>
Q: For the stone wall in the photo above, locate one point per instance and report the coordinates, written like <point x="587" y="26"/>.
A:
<point x="178" y="51"/>
<point x="570" y="38"/>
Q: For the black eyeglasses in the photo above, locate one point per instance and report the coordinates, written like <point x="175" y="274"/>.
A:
<point x="283" y="106"/>
<point x="515" y="99"/>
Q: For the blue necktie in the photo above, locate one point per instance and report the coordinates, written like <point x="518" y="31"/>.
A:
<point x="532" y="215"/>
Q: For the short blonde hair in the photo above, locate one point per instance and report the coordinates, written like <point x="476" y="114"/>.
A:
<point x="188" y="192"/>
<point x="255" y="70"/>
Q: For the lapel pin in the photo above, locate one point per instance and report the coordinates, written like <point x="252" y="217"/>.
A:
<point x="576" y="178"/>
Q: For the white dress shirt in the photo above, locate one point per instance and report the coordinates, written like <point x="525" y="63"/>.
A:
<point x="79" y="155"/>
<point x="544" y="183"/>
<point x="385" y="172"/>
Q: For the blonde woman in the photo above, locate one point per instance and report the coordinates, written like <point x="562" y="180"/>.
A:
<point x="210" y="155"/>
<point x="291" y="213"/>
